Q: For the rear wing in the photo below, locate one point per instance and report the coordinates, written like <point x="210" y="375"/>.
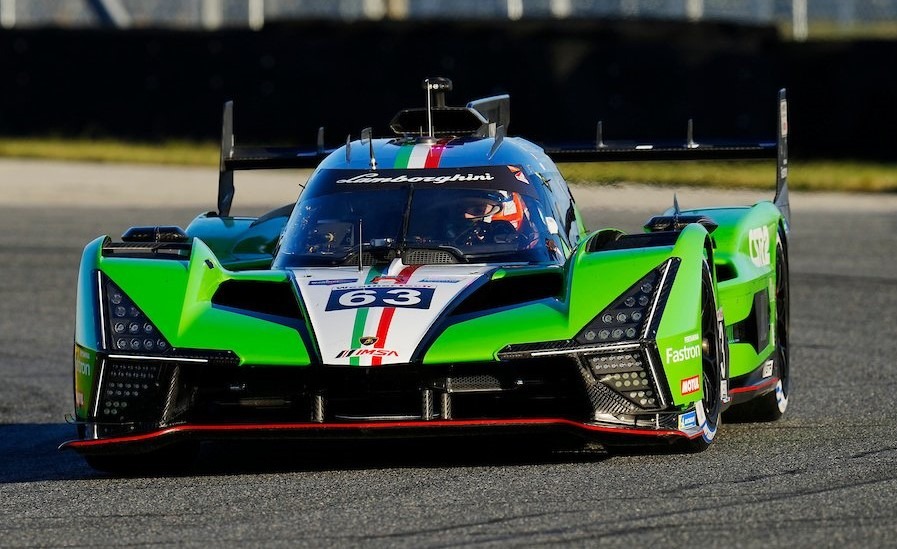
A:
<point x="496" y="111"/>
<point x="257" y="158"/>
<point x="691" y="150"/>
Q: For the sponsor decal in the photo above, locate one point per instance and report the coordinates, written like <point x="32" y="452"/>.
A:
<point x="401" y="296"/>
<point x="687" y="352"/>
<point x="366" y="352"/>
<point x="373" y="177"/>
<point x="767" y="368"/>
<point x="690" y="385"/>
<point x="783" y="112"/>
<point x="79" y="399"/>
<point x="367" y="340"/>
<point x="758" y="243"/>
<point x="688" y="420"/>
<point x="691" y="338"/>
<point x="387" y="279"/>
<point x="82" y="361"/>
<point x="441" y="280"/>
<point x="333" y="281"/>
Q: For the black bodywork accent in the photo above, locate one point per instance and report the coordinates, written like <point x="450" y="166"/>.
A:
<point x="512" y="290"/>
<point x="267" y="298"/>
<point x="755" y="328"/>
<point x="615" y="240"/>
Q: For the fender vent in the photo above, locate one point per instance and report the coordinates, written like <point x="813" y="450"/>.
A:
<point x="509" y="291"/>
<point x="266" y="298"/>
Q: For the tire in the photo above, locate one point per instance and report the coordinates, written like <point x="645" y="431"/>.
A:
<point x="170" y="459"/>
<point x="713" y="367"/>
<point x="771" y="406"/>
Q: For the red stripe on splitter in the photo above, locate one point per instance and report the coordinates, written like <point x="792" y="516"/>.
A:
<point x="386" y="316"/>
<point x="435" y="153"/>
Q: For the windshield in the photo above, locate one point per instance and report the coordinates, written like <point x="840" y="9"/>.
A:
<point x="460" y="222"/>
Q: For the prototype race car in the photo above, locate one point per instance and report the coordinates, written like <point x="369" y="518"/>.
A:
<point x="438" y="282"/>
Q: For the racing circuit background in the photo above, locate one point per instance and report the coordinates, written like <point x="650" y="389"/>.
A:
<point x="822" y="477"/>
<point x="160" y="69"/>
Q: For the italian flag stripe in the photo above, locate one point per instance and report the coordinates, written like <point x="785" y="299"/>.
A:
<point x="361" y="317"/>
<point x="403" y="155"/>
<point x="419" y="156"/>
<point x="388" y="312"/>
<point x="434" y="155"/>
<point x="422" y="155"/>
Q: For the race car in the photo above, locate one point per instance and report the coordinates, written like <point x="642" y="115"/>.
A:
<point x="438" y="282"/>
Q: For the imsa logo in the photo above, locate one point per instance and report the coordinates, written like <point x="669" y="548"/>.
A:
<point x="366" y="352"/>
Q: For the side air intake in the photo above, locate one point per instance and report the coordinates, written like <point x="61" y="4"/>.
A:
<point x="266" y="298"/>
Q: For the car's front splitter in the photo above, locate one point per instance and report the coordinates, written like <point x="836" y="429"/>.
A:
<point x="148" y="441"/>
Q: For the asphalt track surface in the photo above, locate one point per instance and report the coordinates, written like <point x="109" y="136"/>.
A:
<point x="825" y="476"/>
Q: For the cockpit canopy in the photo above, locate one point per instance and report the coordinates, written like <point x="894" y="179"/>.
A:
<point x="489" y="214"/>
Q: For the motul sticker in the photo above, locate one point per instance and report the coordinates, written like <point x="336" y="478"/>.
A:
<point x="690" y="385"/>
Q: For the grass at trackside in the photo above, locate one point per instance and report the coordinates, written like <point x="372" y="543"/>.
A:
<point x="183" y="153"/>
<point x="802" y="175"/>
<point x="805" y="175"/>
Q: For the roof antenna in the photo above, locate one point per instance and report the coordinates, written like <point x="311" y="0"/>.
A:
<point x="599" y="138"/>
<point x="367" y="135"/>
<point x="440" y="85"/>
<point x="676" y="211"/>
<point x="348" y="148"/>
<point x="321" y="141"/>
<point x="690" y="135"/>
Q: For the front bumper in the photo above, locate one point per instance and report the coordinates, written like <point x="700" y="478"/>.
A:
<point x="176" y="401"/>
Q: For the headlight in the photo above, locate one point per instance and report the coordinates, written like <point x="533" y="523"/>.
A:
<point x="127" y="327"/>
<point x="626" y="374"/>
<point x="626" y="318"/>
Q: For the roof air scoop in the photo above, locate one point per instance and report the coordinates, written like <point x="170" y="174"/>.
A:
<point x="439" y="85"/>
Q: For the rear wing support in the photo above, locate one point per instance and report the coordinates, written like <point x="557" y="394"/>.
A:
<point x="257" y="158"/>
<point x="603" y="151"/>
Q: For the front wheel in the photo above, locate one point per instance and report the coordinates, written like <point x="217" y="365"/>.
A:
<point x="713" y="366"/>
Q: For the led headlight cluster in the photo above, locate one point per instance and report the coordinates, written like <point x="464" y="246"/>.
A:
<point x="625" y="373"/>
<point x="129" y="329"/>
<point x="130" y="392"/>
<point x="625" y="318"/>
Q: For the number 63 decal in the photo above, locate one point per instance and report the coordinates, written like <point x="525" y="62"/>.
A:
<point x="353" y="298"/>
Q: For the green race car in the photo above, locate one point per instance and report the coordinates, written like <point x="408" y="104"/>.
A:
<point x="438" y="282"/>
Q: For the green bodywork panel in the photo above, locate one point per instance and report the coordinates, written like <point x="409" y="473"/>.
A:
<point x="746" y="247"/>
<point x="176" y="297"/>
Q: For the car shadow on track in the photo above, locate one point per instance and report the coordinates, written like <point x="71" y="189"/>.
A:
<point x="30" y="454"/>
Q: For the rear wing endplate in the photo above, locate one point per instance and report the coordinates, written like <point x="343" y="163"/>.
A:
<point x="257" y="158"/>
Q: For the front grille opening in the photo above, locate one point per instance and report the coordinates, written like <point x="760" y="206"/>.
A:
<point x="513" y="290"/>
<point x="269" y="298"/>
<point x="414" y="256"/>
<point x="550" y="388"/>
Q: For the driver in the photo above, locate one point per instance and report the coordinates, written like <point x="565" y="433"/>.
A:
<point x="491" y="218"/>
